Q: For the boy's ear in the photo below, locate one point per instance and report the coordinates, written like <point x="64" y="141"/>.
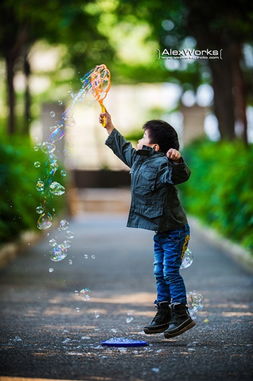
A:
<point x="156" y="147"/>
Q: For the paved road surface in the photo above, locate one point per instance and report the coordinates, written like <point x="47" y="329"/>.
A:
<point x="49" y="331"/>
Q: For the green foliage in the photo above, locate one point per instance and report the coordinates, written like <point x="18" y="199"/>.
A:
<point x="220" y="188"/>
<point x="18" y="178"/>
<point x="134" y="135"/>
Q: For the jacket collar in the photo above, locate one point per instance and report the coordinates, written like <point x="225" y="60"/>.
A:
<point x="148" y="151"/>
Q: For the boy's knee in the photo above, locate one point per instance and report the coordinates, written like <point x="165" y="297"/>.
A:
<point x="159" y="276"/>
<point x="158" y="271"/>
<point x="171" y="276"/>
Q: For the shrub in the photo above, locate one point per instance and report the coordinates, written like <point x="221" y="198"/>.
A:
<point x="220" y="188"/>
<point x="18" y="178"/>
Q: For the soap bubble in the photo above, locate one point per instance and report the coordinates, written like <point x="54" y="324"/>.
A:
<point x="85" y="293"/>
<point x="52" y="114"/>
<point x="69" y="234"/>
<point x="64" y="225"/>
<point x="63" y="173"/>
<point x="129" y="318"/>
<point x="70" y="262"/>
<point x="57" y="134"/>
<point x="36" y="164"/>
<point x="187" y="259"/>
<point x="50" y="269"/>
<point x="70" y="92"/>
<point x="39" y="209"/>
<point x="194" y="302"/>
<point x="66" y="244"/>
<point x="44" y="221"/>
<point x="36" y="147"/>
<point x="57" y="189"/>
<point x="67" y="340"/>
<point x="60" y="102"/>
<point x="52" y="242"/>
<point x="57" y="253"/>
<point x="53" y="167"/>
<point x="52" y="156"/>
<point x="48" y="147"/>
<point x="86" y="256"/>
<point x="40" y="186"/>
<point x="93" y="256"/>
<point x="16" y="339"/>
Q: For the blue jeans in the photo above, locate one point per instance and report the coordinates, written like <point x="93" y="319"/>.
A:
<point x="169" y="248"/>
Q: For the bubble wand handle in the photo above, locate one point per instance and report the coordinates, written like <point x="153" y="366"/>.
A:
<point x="103" y="109"/>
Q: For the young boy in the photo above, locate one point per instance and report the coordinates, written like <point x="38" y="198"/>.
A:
<point x="156" y="167"/>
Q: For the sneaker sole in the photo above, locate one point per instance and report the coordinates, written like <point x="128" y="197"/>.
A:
<point x="168" y="335"/>
<point x="154" y="331"/>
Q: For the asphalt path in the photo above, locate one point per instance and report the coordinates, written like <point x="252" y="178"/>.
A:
<point x="48" y="329"/>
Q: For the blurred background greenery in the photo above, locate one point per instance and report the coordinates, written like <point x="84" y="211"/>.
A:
<point x="45" y="48"/>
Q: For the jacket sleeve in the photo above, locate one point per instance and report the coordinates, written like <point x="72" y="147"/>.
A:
<point x="175" y="172"/>
<point x="122" y="148"/>
<point x="180" y="171"/>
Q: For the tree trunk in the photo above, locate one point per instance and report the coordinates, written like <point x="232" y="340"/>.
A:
<point x="239" y="92"/>
<point x="27" y="95"/>
<point x="222" y="82"/>
<point x="11" y="97"/>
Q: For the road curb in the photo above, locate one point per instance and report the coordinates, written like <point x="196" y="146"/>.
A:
<point x="238" y="253"/>
<point x="26" y="239"/>
<point x="10" y="250"/>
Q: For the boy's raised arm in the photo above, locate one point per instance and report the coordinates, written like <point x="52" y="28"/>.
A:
<point x="122" y="148"/>
<point x="180" y="171"/>
<point x="177" y="171"/>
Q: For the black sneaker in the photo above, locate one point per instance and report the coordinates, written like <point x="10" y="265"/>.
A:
<point x="180" y="321"/>
<point x="161" y="320"/>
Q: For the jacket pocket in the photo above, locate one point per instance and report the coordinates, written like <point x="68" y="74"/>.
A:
<point x="146" y="180"/>
<point x="149" y="210"/>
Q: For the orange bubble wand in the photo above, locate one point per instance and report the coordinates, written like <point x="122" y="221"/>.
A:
<point x="101" y="82"/>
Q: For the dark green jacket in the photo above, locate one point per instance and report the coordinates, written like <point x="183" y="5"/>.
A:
<point x="155" y="204"/>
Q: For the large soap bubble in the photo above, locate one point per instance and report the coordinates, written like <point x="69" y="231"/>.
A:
<point x="187" y="259"/>
<point x="58" y="253"/>
<point x="56" y="188"/>
<point x="40" y="186"/>
<point x="47" y="147"/>
<point x="194" y="302"/>
<point x="85" y="293"/>
<point x="44" y="221"/>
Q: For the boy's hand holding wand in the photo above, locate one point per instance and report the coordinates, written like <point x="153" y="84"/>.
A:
<point x="105" y="117"/>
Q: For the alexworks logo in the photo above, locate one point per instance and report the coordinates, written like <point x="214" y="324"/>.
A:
<point x="190" y="54"/>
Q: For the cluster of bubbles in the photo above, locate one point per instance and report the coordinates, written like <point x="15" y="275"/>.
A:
<point x="194" y="302"/>
<point x="47" y="186"/>
<point x="194" y="298"/>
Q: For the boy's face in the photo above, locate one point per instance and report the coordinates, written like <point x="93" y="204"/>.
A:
<point x="145" y="141"/>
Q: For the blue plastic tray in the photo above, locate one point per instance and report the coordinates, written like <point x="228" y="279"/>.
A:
<point x="123" y="342"/>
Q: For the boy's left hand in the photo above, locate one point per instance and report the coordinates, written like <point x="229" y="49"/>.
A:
<point x="173" y="154"/>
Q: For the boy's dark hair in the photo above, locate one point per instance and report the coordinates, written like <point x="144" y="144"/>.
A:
<point x="162" y="133"/>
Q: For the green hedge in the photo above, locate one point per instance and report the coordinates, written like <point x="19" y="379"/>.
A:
<point x="18" y="178"/>
<point x="220" y="189"/>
